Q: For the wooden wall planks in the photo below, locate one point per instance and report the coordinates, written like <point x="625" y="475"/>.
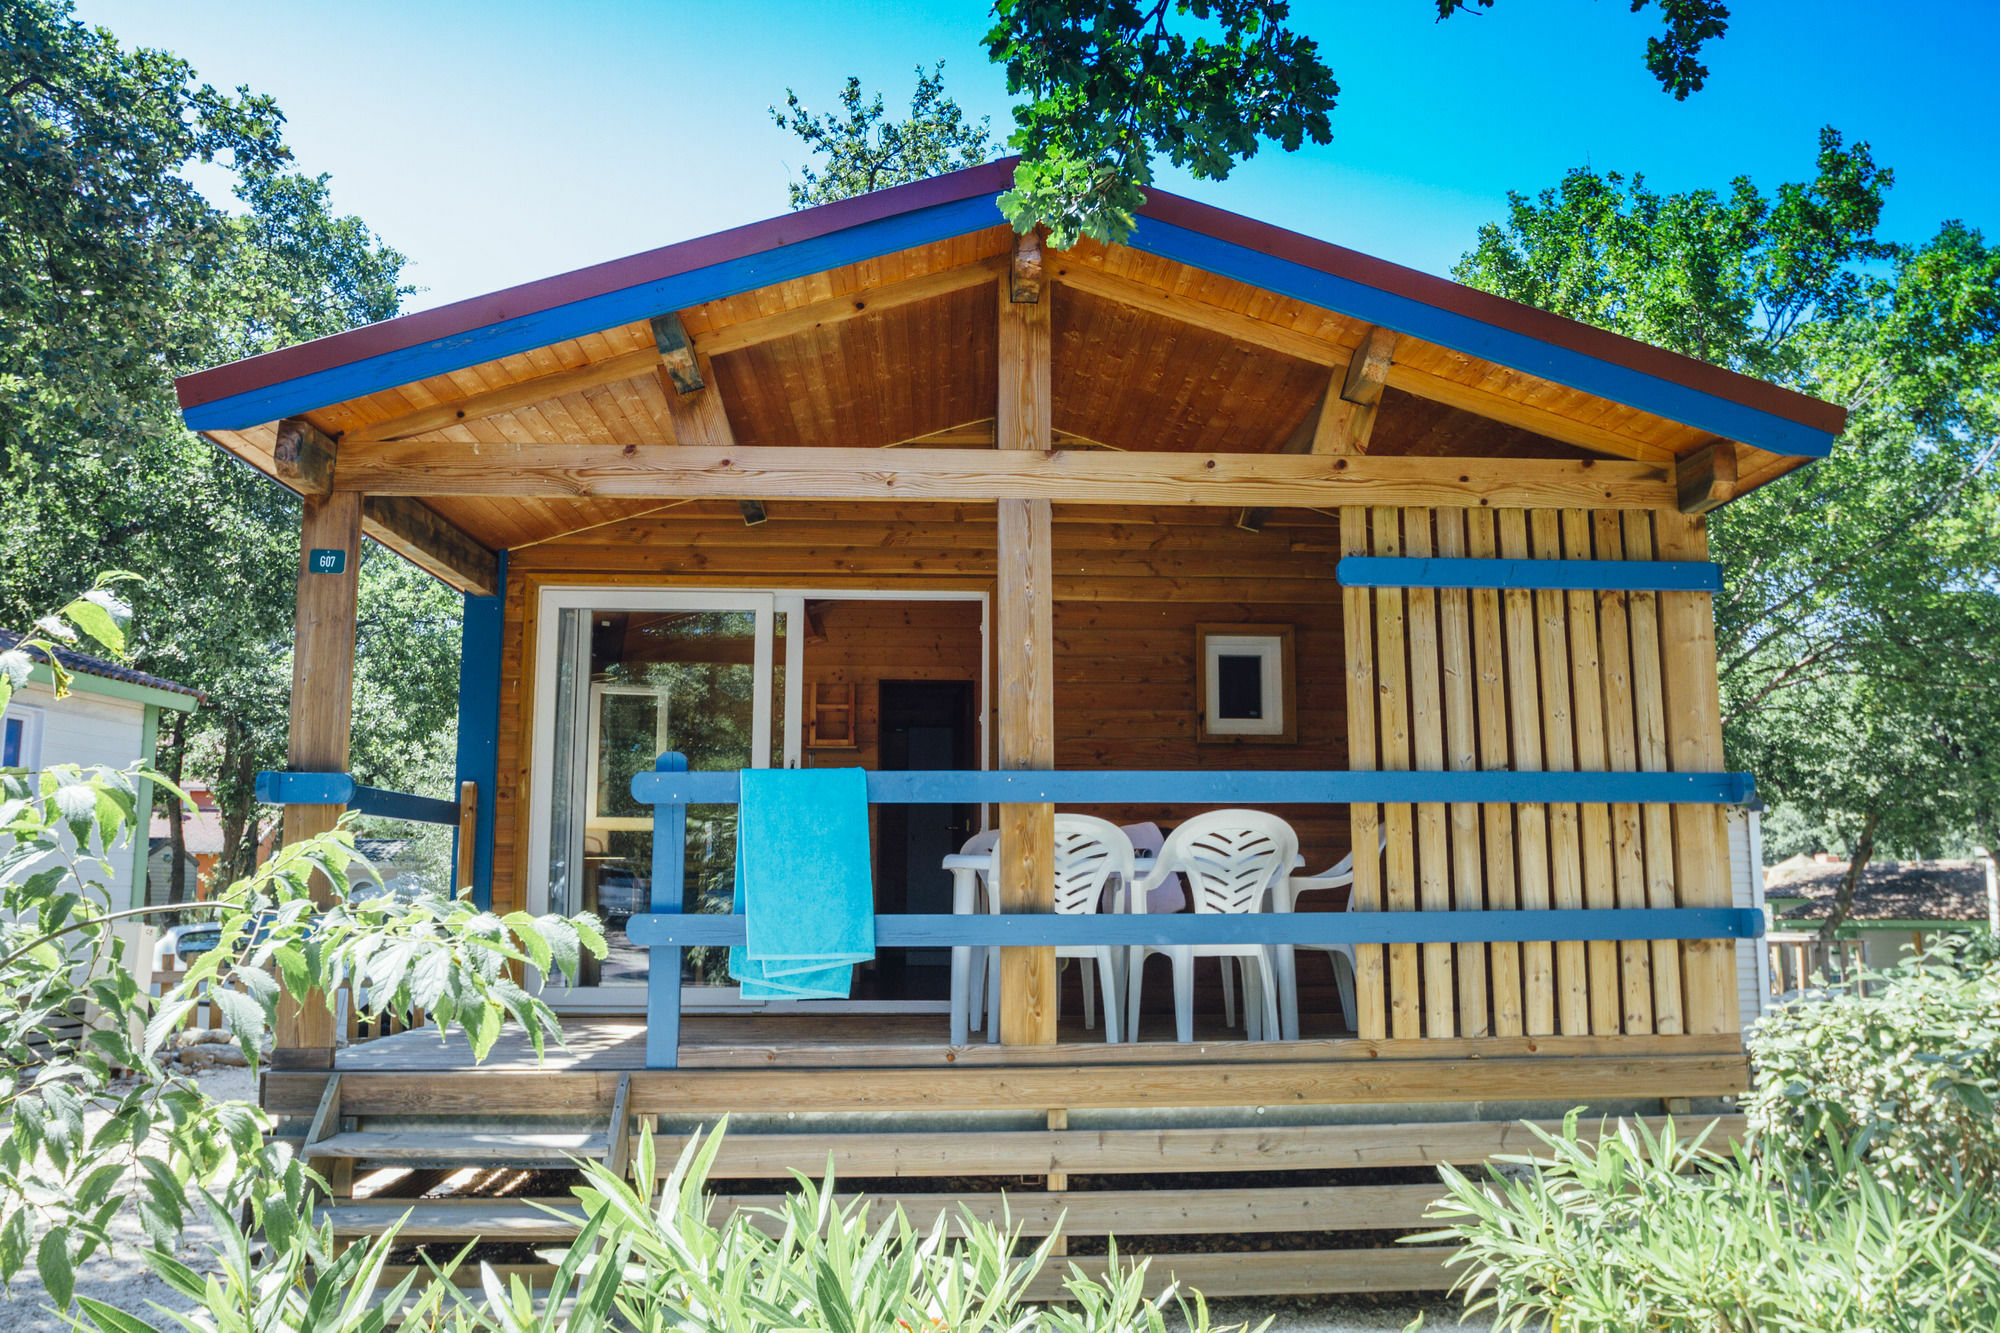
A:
<point x="1532" y="681"/>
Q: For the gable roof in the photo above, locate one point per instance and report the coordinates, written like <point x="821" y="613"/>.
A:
<point x="103" y="668"/>
<point x="1468" y="322"/>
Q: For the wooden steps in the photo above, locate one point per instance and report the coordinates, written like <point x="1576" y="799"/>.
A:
<point x="505" y="1220"/>
<point x="408" y="1148"/>
<point x="336" y="1150"/>
<point x="1251" y="1273"/>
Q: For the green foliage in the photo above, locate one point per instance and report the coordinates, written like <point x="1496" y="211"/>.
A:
<point x="1857" y="637"/>
<point x="116" y="274"/>
<point x="865" y="151"/>
<point x="815" y="1264"/>
<point x="282" y="1274"/>
<point x="98" y="613"/>
<point x="1644" y="1231"/>
<point x="79" y="1038"/>
<point x="1110" y="83"/>
<point x="1909" y="1074"/>
<point x="1674" y="56"/>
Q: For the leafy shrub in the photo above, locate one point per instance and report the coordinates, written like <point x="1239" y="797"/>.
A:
<point x="1909" y="1074"/>
<point x="1645" y="1232"/>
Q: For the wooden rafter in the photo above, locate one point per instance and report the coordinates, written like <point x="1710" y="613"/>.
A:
<point x="852" y="305"/>
<point x="667" y="472"/>
<point x="512" y="397"/>
<point x="1345" y="417"/>
<point x="418" y="533"/>
<point x="1328" y="352"/>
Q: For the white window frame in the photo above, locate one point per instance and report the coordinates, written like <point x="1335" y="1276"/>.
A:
<point x="1269" y="650"/>
<point x="766" y="603"/>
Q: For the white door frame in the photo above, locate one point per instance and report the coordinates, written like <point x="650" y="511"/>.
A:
<point x="765" y="603"/>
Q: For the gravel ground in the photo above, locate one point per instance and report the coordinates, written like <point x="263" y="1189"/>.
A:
<point x="122" y="1279"/>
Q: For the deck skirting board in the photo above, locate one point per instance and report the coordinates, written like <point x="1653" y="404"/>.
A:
<point x="1283" y="1083"/>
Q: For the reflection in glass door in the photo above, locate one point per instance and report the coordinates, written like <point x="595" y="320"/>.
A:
<point x="686" y="672"/>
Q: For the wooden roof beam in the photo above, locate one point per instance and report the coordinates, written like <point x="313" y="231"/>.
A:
<point x="304" y="457"/>
<point x="1706" y="478"/>
<point x="852" y="305"/>
<point x="1081" y="476"/>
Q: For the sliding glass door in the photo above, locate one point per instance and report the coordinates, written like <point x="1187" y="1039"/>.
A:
<point x="623" y="676"/>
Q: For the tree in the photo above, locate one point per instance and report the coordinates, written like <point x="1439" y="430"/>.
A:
<point x="1110" y="84"/>
<point x="1673" y="57"/>
<point x="1855" y="635"/>
<point x="116" y="274"/>
<point x="864" y="151"/>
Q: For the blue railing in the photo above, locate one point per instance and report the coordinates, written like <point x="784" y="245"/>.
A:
<point x="283" y="788"/>
<point x="670" y="789"/>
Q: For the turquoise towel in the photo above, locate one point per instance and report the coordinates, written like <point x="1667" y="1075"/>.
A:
<point x="803" y="882"/>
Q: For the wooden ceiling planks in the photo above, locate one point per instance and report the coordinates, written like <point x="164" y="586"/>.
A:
<point x="874" y="380"/>
<point x="1134" y="379"/>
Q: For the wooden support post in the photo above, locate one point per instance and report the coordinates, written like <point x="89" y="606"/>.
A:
<point x="694" y="400"/>
<point x="1694" y="745"/>
<point x="322" y="706"/>
<point x="1026" y="647"/>
<point x="468" y="834"/>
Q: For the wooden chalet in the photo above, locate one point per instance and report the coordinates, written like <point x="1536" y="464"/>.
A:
<point x="881" y="484"/>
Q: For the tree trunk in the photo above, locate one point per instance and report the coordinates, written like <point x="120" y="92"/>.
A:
<point x="236" y="802"/>
<point x="1843" y="899"/>
<point x="177" y="885"/>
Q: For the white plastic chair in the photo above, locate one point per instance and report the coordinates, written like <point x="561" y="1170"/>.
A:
<point x="1089" y="852"/>
<point x="981" y="962"/>
<point x="1284" y="898"/>
<point x="1232" y="860"/>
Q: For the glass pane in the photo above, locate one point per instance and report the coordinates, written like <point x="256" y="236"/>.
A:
<point x="657" y="680"/>
<point x="628" y="743"/>
<point x="1240" y="685"/>
<point x="781" y="622"/>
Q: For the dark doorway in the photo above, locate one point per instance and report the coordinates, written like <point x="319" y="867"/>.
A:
<point x="925" y="724"/>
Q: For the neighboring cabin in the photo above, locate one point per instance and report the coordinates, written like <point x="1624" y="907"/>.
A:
<point x="110" y="718"/>
<point x="1897" y="905"/>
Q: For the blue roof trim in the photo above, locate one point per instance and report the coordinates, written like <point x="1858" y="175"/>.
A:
<point x="868" y="240"/>
<point x="1447" y="328"/>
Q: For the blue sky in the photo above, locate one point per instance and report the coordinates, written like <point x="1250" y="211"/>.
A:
<point x="495" y="141"/>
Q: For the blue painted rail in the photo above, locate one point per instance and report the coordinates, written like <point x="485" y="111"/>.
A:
<point x="1386" y="571"/>
<point x="670" y="789"/>
<point x="283" y="788"/>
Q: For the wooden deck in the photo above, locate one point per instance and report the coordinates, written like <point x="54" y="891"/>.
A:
<point x="601" y="1045"/>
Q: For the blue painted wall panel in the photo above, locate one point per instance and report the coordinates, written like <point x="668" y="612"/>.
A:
<point x="479" y="722"/>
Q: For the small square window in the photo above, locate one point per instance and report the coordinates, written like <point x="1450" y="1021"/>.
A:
<point x="1244" y="690"/>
